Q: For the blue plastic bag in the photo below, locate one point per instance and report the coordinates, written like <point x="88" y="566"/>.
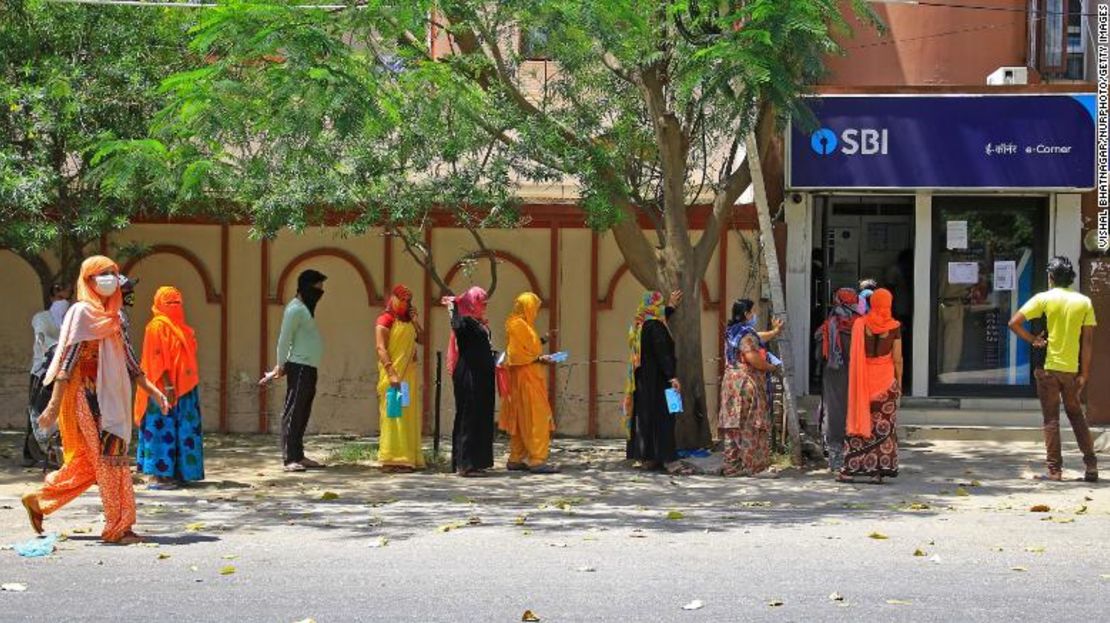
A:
<point x="559" y="357"/>
<point x="37" y="547"/>
<point x="393" y="403"/>
<point x="405" y="396"/>
<point x="674" y="400"/>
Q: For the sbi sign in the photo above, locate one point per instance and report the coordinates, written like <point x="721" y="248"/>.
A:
<point x="852" y="141"/>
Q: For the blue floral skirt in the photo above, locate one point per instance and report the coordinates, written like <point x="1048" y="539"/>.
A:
<point x="171" y="445"/>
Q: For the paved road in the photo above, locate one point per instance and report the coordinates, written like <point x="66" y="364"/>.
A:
<point x="592" y="544"/>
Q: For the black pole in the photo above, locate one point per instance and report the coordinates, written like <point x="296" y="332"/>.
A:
<point x="439" y="386"/>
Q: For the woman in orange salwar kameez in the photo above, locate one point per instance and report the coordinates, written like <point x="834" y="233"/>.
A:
<point x="874" y="389"/>
<point x="525" y="412"/>
<point x="92" y="371"/>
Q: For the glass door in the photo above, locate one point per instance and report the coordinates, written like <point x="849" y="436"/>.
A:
<point x="988" y="259"/>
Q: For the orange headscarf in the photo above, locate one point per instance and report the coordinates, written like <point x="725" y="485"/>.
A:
<point x="169" y="349"/>
<point x="94" y="318"/>
<point x="869" y="377"/>
<point x="879" y="318"/>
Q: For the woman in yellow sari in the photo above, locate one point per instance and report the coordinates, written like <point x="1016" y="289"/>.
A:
<point x="525" y="412"/>
<point x="397" y="334"/>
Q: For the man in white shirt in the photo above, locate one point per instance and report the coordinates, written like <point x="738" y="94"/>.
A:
<point x="46" y="331"/>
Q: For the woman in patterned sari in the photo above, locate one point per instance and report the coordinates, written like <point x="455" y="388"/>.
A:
<point x="397" y="334"/>
<point x="171" y="446"/>
<point x="874" y="389"/>
<point x="744" y="422"/>
<point x="834" y="336"/>
<point x="92" y="371"/>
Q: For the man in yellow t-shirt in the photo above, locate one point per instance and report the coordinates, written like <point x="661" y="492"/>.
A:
<point x="1070" y="318"/>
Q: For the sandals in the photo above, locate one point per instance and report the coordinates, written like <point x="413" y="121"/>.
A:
<point x="471" y="473"/>
<point x="310" y="464"/>
<point x="516" y="467"/>
<point x="128" y="538"/>
<point x="543" y="468"/>
<point x="34" y="513"/>
<point x="293" y="467"/>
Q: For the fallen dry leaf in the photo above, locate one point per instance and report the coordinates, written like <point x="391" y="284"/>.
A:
<point x="13" y="587"/>
<point x="228" y="570"/>
<point x="455" y="525"/>
<point x="194" y="527"/>
<point x="919" y="552"/>
<point x="1018" y="568"/>
<point x="586" y="569"/>
<point x="961" y="492"/>
<point x="556" y="544"/>
<point x="697" y="604"/>
<point x="675" y="515"/>
<point x="379" y="542"/>
<point x="1036" y="549"/>
<point x="229" y="556"/>
<point x="899" y="602"/>
<point x="529" y="617"/>
<point x="878" y="536"/>
<point x="919" y="506"/>
<point x="474" y="521"/>
<point x="775" y="603"/>
<point x="309" y="620"/>
<point x="1082" y="510"/>
<point x="520" y="519"/>
<point x="836" y="597"/>
<point x="163" y="556"/>
<point x="329" y="495"/>
<point x="1040" y="508"/>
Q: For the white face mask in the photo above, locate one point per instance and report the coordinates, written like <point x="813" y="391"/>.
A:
<point x="106" y="285"/>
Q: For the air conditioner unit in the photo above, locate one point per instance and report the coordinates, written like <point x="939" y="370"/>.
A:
<point x="1009" y="75"/>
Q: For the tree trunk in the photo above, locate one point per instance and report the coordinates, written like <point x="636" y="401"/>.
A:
<point x="692" y="425"/>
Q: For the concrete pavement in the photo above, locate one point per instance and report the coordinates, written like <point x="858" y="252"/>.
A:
<point x="596" y="543"/>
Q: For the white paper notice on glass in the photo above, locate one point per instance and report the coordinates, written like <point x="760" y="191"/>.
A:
<point x="957" y="235"/>
<point x="963" y="272"/>
<point x="1005" y="273"/>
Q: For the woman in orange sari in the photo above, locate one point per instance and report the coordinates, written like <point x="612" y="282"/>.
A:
<point x="525" y="412"/>
<point x="171" y="446"/>
<point x="874" y="389"/>
<point x="91" y="371"/>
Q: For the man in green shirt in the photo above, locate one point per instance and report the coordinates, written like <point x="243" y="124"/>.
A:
<point x="299" y="351"/>
<point x="1070" y="319"/>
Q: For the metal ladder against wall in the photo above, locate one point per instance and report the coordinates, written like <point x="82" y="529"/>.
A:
<point x="778" y="298"/>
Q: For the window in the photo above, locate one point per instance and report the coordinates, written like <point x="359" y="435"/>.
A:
<point x="1059" y="38"/>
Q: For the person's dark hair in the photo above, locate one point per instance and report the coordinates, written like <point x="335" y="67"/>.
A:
<point x="868" y="284"/>
<point x="740" y="309"/>
<point x="57" y="289"/>
<point x="1061" y="271"/>
<point x="309" y="278"/>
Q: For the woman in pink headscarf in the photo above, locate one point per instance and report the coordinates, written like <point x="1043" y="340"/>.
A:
<point x="470" y="362"/>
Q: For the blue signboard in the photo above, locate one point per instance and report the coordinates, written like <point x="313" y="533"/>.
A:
<point x="945" y="142"/>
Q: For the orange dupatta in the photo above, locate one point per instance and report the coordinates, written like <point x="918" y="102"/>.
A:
<point x="169" y="349"/>
<point x="868" y="377"/>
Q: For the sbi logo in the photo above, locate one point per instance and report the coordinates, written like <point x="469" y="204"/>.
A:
<point x="862" y="141"/>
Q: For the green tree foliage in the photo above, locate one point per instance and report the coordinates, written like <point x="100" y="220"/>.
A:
<point x="385" y="111"/>
<point x="70" y="78"/>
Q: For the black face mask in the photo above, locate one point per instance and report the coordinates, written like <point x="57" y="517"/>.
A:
<point x="311" y="296"/>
